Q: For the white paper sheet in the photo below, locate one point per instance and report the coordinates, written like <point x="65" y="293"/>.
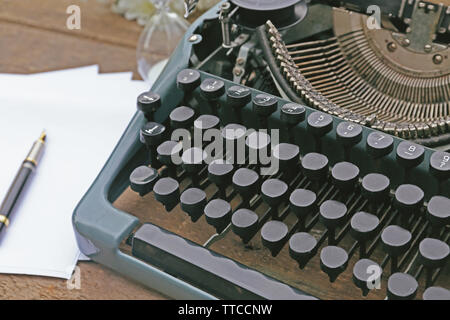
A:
<point x="84" y="115"/>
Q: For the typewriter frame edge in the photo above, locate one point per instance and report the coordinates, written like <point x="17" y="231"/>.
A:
<point x="105" y="235"/>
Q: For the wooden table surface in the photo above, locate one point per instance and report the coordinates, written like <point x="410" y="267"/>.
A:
<point x="34" y="38"/>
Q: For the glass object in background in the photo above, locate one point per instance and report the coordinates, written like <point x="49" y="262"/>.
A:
<point x="159" y="39"/>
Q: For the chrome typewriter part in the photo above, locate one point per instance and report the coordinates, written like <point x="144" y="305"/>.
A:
<point x="391" y="76"/>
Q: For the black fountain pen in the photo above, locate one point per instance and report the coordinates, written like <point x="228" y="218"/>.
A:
<point x="28" y="166"/>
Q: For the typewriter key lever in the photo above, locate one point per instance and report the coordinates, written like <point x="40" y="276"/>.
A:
<point x="142" y="180"/>
<point x="149" y="102"/>
<point x="152" y="134"/>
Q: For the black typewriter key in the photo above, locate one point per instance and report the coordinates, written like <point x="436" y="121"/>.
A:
<point x="287" y="155"/>
<point x="364" y="227"/>
<point x="237" y="98"/>
<point x="408" y="200"/>
<point x="148" y="102"/>
<point x="234" y="142"/>
<point x="142" y="180"/>
<point x="181" y="117"/>
<point x="220" y="173"/>
<point x="244" y="224"/>
<point x="315" y="167"/>
<point x="193" y="202"/>
<point x="332" y="215"/>
<point x="218" y="214"/>
<point x="379" y="144"/>
<point x="438" y="213"/>
<point x="433" y="254"/>
<point x="319" y="124"/>
<point x="333" y="261"/>
<point x="168" y="151"/>
<point x="302" y="247"/>
<point x="302" y="202"/>
<point x="245" y="181"/>
<point x="274" y="192"/>
<point x="257" y="144"/>
<point x="440" y="167"/>
<point x="193" y="161"/>
<point x="264" y="105"/>
<point x="365" y="273"/>
<point x="345" y="176"/>
<point x="188" y="80"/>
<point x="401" y="286"/>
<point x="206" y="122"/>
<point x="396" y="241"/>
<point x="409" y="155"/>
<point x="212" y="89"/>
<point x="292" y="114"/>
<point x="152" y="134"/>
<point x="167" y="191"/>
<point x="375" y="188"/>
<point x="348" y="134"/>
<point x="274" y="235"/>
<point x="436" y="293"/>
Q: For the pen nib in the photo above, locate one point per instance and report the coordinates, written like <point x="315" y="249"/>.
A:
<point x="43" y="136"/>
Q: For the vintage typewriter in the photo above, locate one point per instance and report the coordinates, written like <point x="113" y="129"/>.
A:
<point x="350" y="100"/>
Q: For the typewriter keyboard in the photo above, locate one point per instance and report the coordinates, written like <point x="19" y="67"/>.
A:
<point x="295" y="202"/>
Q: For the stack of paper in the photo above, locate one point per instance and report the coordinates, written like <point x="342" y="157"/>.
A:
<point x="84" y="115"/>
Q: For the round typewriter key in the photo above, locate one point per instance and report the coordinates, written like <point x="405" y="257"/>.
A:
<point x="433" y="252"/>
<point x="167" y="192"/>
<point x="365" y="273"/>
<point x="188" y="80"/>
<point x="379" y="144"/>
<point x="436" y="293"/>
<point x="302" y="202"/>
<point x="332" y="213"/>
<point x="233" y="132"/>
<point x="315" y="166"/>
<point x="438" y="211"/>
<point x="181" y="117"/>
<point x="193" y="202"/>
<point x="408" y="198"/>
<point x="333" y="261"/>
<point x="287" y="155"/>
<point x="292" y="114"/>
<point x="375" y="187"/>
<point x="364" y="226"/>
<point x="218" y="214"/>
<point x="220" y="172"/>
<point x="409" y="154"/>
<point x="345" y="176"/>
<point x="319" y="123"/>
<point x="206" y="122"/>
<point x="148" y="102"/>
<point x="302" y="247"/>
<point x="245" y="181"/>
<point x="168" y="150"/>
<point x="440" y="165"/>
<point x="273" y="236"/>
<point x="238" y="96"/>
<point x="401" y="286"/>
<point x="142" y="179"/>
<point x="244" y="224"/>
<point x="273" y="192"/>
<point x="348" y="133"/>
<point x="212" y="89"/>
<point x="152" y="133"/>
<point x="264" y="104"/>
<point x="396" y="240"/>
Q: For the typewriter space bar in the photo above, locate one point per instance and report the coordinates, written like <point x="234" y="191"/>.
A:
<point x="209" y="271"/>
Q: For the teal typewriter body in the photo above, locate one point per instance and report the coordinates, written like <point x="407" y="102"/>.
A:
<point x="409" y="215"/>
